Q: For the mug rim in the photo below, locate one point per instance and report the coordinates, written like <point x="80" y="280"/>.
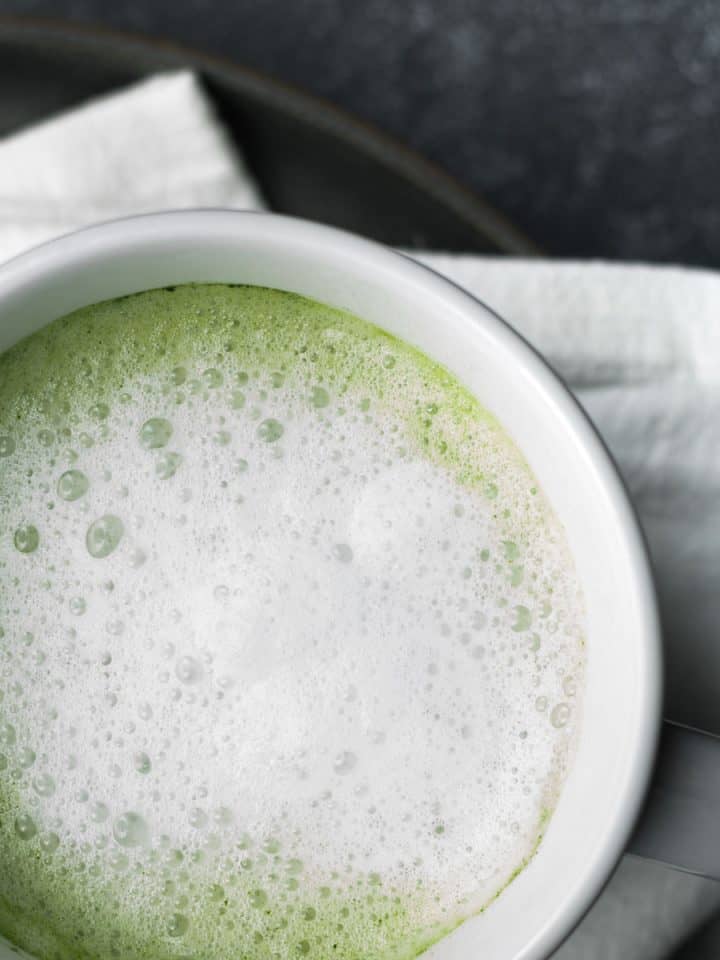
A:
<point x="17" y="277"/>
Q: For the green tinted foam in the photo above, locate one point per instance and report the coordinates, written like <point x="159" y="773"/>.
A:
<point x="58" y="390"/>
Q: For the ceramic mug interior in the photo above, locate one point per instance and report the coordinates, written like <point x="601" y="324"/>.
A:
<point x="620" y="722"/>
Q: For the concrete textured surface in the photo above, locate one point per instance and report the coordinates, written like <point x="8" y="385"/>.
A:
<point x="594" y="124"/>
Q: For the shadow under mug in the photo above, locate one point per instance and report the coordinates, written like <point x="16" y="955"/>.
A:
<point x="604" y="791"/>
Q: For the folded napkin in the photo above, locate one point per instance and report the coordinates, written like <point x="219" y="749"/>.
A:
<point x="639" y="345"/>
<point x="156" y="146"/>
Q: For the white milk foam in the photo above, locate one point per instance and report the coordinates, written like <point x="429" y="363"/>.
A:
<point x="261" y="650"/>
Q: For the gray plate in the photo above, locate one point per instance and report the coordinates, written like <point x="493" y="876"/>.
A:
<point x="311" y="159"/>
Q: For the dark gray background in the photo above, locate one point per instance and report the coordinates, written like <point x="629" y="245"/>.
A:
<point x="594" y="124"/>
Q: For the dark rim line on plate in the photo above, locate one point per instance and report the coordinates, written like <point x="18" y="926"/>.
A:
<point x="310" y="109"/>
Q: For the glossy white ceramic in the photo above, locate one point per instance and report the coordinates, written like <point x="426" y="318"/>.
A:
<point x="605" y="788"/>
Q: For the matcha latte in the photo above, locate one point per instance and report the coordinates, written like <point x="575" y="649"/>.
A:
<point x="291" y="644"/>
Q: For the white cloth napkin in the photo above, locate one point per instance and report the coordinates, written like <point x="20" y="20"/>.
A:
<point x="639" y="345"/>
<point x="156" y="146"/>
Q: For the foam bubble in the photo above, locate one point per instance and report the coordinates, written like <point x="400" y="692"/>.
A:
<point x="292" y="646"/>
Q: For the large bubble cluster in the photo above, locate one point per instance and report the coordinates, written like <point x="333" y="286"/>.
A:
<point x="291" y="646"/>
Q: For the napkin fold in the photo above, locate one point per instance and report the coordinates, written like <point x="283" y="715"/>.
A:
<point x="639" y="345"/>
<point x="155" y="146"/>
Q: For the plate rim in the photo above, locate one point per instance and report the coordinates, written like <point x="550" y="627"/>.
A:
<point x="310" y="108"/>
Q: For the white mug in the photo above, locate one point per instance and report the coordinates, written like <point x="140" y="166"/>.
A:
<point x="604" y="790"/>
